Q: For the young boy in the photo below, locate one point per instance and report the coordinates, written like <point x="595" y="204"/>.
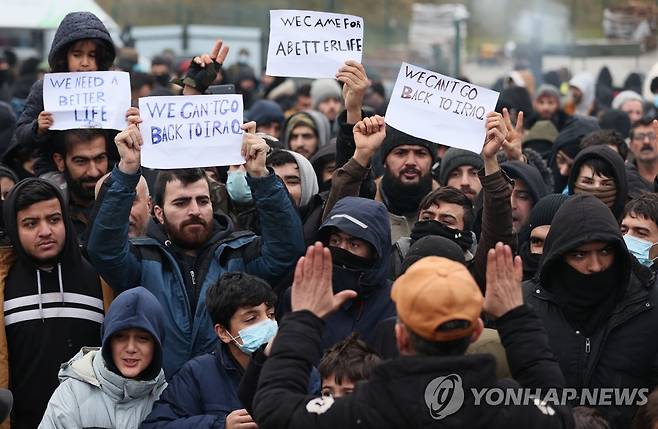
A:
<point x="345" y="364"/>
<point x="204" y="392"/>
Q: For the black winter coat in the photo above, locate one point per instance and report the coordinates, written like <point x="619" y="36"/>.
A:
<point x="396" y="396"/>
<point x="623" y="351"/>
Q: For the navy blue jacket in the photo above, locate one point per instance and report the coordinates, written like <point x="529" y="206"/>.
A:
<point x="151" y="261"/>
<point x="368" y="220"/>
<point x="203" y="393"/>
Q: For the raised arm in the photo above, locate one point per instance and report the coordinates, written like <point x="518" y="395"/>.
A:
<point x="348" y="179"/>
<point x="108" y="246"/>
<point x="282" y="236"/>
<point x="497" y="190"/>
<point x="529" y="355"/>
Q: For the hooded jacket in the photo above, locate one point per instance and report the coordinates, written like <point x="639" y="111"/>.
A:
<point x="307" y="176"/>
<point x="48" y="315"/>
<point x="75" y="26"/>
<point x="91" y="394"/>
<point x="313" y="118"/>
<point x="613" y="159"/>
<point x="622" y="351"/>
<point x="180" y="286"/>
<point x="367" y="220"/>
<point x="530" y="177"/>
<point x="585" y="83"/>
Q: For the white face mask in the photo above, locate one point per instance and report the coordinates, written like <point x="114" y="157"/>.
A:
<point x="237" y="187"/>
<point x="640" y="249"/>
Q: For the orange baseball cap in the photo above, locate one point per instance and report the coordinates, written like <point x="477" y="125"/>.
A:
<point x="438" y="299"/>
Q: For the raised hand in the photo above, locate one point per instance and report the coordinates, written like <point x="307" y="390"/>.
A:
<point x="254" y="151"/>
<point x="353" y="75"/>
<point x="496" y="135"/>
<point x="312" y="287"/>
<point x="218" y="54"/>
<point x="132" y="116"/>
<point x="203" y="69"/>
<point x="368" y="137"/>
<point x="513" y="145"/>
<point x="504" y="276"/>
<point x="129" y="144"/>
<point x="44" y="122"/>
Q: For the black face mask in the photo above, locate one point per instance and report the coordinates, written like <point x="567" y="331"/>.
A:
<point x="349" y="260"/>
<point x="586" y="299"/>
<point x="464" y="239"/>
<point x="162" y="79"/>
<point x="530" y="261"/>
<point x="401" y="199"/>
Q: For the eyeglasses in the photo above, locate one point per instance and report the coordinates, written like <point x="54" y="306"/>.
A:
<point x="642" y="136"/>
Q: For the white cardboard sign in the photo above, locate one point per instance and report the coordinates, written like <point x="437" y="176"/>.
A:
<point x="439" y="108"/>
<point x="191" y="131"/>
<point x="312" y="44"/>
<point x="87" y="99"/>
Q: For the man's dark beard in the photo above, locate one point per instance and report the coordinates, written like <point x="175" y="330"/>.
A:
<point x="77" y="189"/>
<point x="188" y="243"/>
<point x="403" y="199"/>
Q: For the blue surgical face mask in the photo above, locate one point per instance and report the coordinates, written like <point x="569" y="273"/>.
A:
<point x="655" y="100"/>
<point x="237" y="187"/>
<point x="256" y="335"/>
<point x="640" y="249"/>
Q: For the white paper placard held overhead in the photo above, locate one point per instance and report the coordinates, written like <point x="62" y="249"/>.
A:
<point x="87" y="99"/>
<point x="439" y="108"/>
<point x="191" y="131"/>
<point x="312" y="44"/>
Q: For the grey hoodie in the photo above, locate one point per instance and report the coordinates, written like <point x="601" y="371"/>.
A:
<point x="307" y="175"/>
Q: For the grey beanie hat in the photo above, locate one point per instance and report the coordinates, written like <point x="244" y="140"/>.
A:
<point x="322" y="89"/>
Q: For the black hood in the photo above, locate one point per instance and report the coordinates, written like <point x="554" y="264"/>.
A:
<point x="529" y="175"/>
<point x="583" y="219"/>
<point x="8" y="172"/>
<point x="71" y="252"/>
<point x="615" y="161"/>
<point x="77" y="26"/>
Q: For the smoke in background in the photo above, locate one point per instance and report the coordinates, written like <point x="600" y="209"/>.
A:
<point x="522" y="21"/>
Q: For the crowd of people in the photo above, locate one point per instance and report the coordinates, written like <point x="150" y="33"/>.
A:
<point x="140" y="298"/>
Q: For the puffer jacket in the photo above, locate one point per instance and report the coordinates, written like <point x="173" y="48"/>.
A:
<point x="92" y="392"/>
<point x="93" y="396"/>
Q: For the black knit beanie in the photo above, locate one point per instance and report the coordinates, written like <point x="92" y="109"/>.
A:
<point x="454" y="158"/>
<point x="395" y="138"/>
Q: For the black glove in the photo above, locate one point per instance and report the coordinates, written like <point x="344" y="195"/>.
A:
<point x="200" y="78"/>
